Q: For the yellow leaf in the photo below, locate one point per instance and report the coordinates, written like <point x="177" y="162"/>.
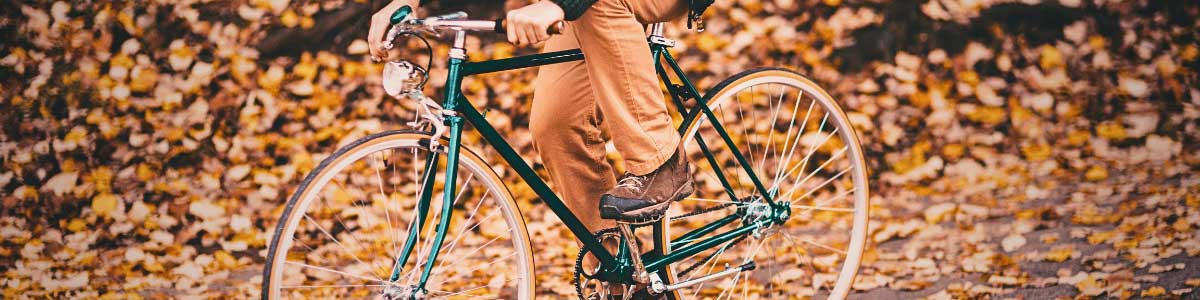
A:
<point x="272" y="79"/>
<point x="1078" y="137"/>
<point x="707" y="42"/>
<point x="969" y="77"/>
<point x="1189" y="53"/>
<point x="1195" y="282"/>
<point x="1154" y="291"/>
<point x="1051" y="57"/>
<point x="104" y="204"/>
<point x="1125" y="244"/>
<point x="76" y="225"/>
<point x="919" y="99"/>
<point x="1090" y="286"/>
<point x="1111" y="130"/>
<point x="341" y="196"/>
<point x="306" y="69"/>
<point x="153" y="267"/>
<point x="307" y="22"/>
<point x="1060" y="254"/>
<point x="145" y="172"/>
<point x="1099" y="237"/>
<point x="952" y="151"/>
<point x="289" y="19"/>
<point x="1036" y="152"/>
<point x="1096" y="173"/>
<point x="1090" y="215"/>
<point x="225" y="260"/>
<point x="987" y="115"/>
<point x="143" y="79"/>
<point x="1097" y="42"/>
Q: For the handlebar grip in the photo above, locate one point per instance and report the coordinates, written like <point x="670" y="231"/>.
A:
<point x="556" y="28"/>
<point x="400" y="14"/>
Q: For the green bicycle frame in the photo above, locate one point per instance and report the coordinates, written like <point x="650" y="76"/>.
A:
<point x="617" y="267"/>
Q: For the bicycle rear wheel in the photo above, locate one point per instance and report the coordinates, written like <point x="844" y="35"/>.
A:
<point x="344" y="227"/>
<point x="802" y="148"/>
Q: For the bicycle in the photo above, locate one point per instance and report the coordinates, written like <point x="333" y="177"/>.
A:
<point x="352" y="226"/>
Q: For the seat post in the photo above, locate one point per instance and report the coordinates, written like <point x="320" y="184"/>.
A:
<point x="656" y="36"/>
<point x="656" y="29"/>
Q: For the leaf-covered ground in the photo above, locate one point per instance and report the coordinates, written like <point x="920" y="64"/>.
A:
<point x="1019" y="149"/>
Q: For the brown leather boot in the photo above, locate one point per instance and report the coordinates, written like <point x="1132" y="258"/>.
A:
<point x="644" y="198"/>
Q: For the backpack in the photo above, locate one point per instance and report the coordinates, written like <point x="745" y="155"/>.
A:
<point x="697" y="9"/>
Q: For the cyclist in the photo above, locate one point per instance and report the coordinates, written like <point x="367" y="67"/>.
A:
<point x="612" y="94"/>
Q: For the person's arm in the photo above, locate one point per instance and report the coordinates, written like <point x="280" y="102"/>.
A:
<point x="527" y="25"/>
<point x="573" y="9"/>
<point x="381" y="21"/>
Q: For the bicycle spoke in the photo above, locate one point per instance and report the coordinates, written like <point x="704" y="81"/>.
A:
<point x="339" y="243"/>
<point x="808" y="166"/>
<point x="833" y="209"/>
<point x="742" y="119"/>
<point x="821" y="203"/>
<point x="819" y="186"/>
<point x="304" y="265"/>
<point x="450" y="249"/>
<point x="331" y="286"/>
<point x="788" y="157"/>
<point x="822" y="166"/>
<point x="476" y="268"/>
<point x="338" y="239"/>
<point x="771" y="128"/>
<point x="819" y="245"/>
<point x="386" y="212"/>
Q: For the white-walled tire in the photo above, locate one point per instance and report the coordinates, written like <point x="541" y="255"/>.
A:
<point x="340" y="232"/>
<point x="803" y="147"/>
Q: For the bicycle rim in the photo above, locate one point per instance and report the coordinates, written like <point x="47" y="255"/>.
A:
<point x="800" y="144"/>
<point x="345" y="225"/>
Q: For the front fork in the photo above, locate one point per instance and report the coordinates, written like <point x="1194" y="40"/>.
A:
<point x="418" y="291"/>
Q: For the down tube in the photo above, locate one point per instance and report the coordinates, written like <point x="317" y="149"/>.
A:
<point x="539" y="187"/>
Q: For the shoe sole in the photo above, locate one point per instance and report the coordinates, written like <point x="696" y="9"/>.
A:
<point x="649" y="214"/>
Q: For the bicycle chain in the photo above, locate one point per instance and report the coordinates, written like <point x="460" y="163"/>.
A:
<point x="710" y="256"/>
<point x="702" y="211"/>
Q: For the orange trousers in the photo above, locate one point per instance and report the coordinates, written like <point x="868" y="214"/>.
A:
<point x="613" y="93"/>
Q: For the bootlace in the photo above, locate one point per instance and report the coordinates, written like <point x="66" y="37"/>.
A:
<point x="632" y="182"/>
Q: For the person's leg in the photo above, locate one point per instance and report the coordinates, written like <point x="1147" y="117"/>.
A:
<point x="623" y="79"/>
<point x="622" y="74"/>
<point x="566" y="132"/>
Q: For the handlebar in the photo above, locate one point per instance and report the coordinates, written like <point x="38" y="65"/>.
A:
<point x="454" y="21"/>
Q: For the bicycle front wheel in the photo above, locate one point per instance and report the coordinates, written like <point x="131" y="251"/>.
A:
<point x="792" y="138"/>
<point x="343" y="229"/>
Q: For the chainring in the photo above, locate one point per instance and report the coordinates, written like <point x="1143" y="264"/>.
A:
<point x="594" y="289"/>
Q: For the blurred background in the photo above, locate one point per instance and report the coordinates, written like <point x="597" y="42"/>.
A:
<point x="1019" y="149"/>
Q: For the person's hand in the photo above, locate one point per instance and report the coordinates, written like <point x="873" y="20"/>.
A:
<point x="380" y="22"/>
<point x="527" y="25"/>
